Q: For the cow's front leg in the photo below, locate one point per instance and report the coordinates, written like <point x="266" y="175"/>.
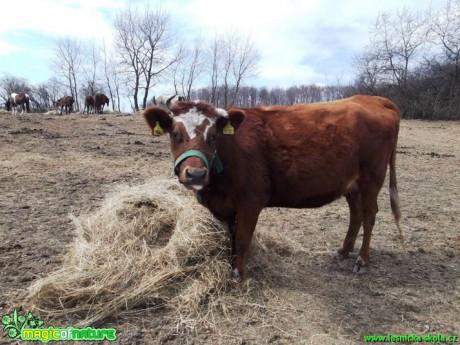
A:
<point x="232" y="222"/>
<point x="246" y="223"/>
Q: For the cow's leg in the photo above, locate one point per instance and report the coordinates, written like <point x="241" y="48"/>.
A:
<point x="247" y="220"/>
<point x="232" y="223"/>
<point x="370" y="187"/>
<point x="356" y="220"/>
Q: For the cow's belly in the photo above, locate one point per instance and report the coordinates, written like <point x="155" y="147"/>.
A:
<point x="312" y="190"/>
<point x="300" y="201"/>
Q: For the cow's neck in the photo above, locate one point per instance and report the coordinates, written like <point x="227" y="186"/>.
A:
<point x="215" y="195"/>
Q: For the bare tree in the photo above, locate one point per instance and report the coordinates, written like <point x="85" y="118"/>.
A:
<point x="44" y="94"/>
<point x="10" y="83"/>
<point x="129" y="45"/>
<point x="90" y="67"/>
<point x="245" y="64"/>
<point x="111" y="78"/>
<point x="67" y="63"/>
<point x="396" y="39"/>
<point x="230" y="48"/>
<point x="445" y="26"/>
<point x="144" y="44"/>
<point x="187" y="70"/>
<point x="232" y="58"/>
<point x="215" y="53"/>
<point x="414" y="59"/>
<point x="396" y="46"/>
<point x="369" y="69"/>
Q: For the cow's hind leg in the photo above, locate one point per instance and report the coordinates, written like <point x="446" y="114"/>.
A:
<point x="356" y="220"/>
<point x="370" y="187"/>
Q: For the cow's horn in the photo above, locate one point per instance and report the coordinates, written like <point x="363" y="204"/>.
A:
<point x="221" y="112"/>
<point x="168" y="102"/>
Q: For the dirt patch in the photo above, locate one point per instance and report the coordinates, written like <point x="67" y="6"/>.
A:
<point x="52" y="166"/>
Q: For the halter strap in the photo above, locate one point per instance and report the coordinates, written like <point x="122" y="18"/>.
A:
<point x="216" y="162"/>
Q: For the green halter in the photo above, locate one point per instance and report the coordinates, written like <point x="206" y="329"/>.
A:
<point x="216" y="162"/>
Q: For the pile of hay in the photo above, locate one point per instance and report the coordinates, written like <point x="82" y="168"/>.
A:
<point x="148" y="246"/>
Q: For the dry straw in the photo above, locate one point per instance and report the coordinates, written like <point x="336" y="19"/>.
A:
<point x="148" y="246"/>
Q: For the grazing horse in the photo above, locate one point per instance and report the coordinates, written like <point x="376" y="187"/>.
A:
<point x="166" y="102"/>
<point x="89" y="104"/>
<point x="99" y="101"/>
<point x="16" y="99"/>
<point x="64" y="102"/>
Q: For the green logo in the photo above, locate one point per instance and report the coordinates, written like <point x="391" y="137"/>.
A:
<point x="16" y="323"/>
<point x="29" y="328"/>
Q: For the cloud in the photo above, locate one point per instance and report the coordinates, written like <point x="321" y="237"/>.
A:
<point x="293" y="36"/>
<point x="83" y="18"/>
<point x="301" y="41"/>
<point x="7" y="49"/>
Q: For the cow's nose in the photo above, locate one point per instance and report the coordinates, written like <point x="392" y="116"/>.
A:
<point x="195" y="175"/>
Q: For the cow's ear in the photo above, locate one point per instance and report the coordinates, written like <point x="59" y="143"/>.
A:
<point x="229" y="121"/>
<point x="158" y="120"/>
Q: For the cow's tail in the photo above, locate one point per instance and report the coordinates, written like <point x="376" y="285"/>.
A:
<point x="394" y="198"/>
<point x="27" y="103"/>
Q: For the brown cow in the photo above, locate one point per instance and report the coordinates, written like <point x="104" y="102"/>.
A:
<point x="303" y="156"/>
<point x="65" y="102"/>
<point x="89" y="104"/>
<point x="99" y="100"/>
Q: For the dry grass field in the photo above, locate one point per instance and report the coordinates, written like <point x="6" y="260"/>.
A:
<point x="54" y="167"/>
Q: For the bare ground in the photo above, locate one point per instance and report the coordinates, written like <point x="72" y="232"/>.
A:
<point x="52" y="165"/>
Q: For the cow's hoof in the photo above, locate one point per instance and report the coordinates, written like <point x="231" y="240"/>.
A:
<point x="236" y="277"/>
<point x="341" y="255"/>
<point x="360" y="267"/>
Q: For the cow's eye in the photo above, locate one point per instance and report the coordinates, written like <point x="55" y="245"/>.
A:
<point x="211" y="138"/>
<point x="176" y="136"/>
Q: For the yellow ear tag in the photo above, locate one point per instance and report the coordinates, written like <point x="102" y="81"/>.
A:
<point x="228" y="129"/>
<point x="157" y="130"/>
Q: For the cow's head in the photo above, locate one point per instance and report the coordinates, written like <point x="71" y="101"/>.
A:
<point x="8" y="105"/>
<point x="194" y="129"/>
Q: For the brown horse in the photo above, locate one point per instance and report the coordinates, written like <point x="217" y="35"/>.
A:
<point x="99" y="101"/>
<point x="65" y="102"/>
<point x="89" y="104"/>
<point x="16" y="99"/>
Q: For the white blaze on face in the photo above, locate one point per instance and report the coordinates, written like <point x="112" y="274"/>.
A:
<point x="192" y="120"/>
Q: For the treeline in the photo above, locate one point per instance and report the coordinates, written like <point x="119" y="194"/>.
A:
<point x="261" y="96"/>
<point x="414" y="59"/>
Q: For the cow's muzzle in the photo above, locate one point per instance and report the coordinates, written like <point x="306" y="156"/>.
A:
<point x="187" y="154"/>
<point x="193" y="176"/>
<point x="190" y="176"/>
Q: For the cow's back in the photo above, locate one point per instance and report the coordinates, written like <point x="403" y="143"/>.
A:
<point x="309" y="154"/>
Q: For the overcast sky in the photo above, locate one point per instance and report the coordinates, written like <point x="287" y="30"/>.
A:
<point x="301" y="41"/>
